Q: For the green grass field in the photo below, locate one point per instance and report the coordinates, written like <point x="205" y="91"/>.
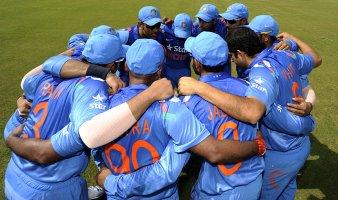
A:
<point x="31" y="31"/>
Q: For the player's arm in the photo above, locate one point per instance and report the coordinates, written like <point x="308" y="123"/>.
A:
<point x="141" y="182"/>
<point x="188" y="133"/>
<point x="304" y="48"/>
<point x="65" y="67"/>
<point x="39" y="151"/>
<point x="128" y="113"/>
<point x="241" y="108"/>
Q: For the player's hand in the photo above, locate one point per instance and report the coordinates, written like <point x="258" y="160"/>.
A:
<point x="282" y="45"/>
<point x="114" y="82"/>
<point x="161" y="89"/>
<point x="284" y="36"/>
<point x="188" y="86"/>
<point x="68" y="52"/>
<point x="300" y="107"/>
<point x="24" y="106"/>
<point x="17" y="132"/>
<point x="102" y="175"/>
<point x="167" y="21"/>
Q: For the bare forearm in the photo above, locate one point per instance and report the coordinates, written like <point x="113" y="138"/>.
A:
<point x="240" y="108"/>
<point x="38" y="151"/>
<point x="230" y="151"/>
<point x="140" y="103"/>
<point x="74" y="68"/>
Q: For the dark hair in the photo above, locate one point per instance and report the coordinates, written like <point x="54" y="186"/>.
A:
<point x="214" y="69"/>
<point x="244" y="39"/>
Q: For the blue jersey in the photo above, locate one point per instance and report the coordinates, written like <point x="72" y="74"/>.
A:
<point x="215" y="179"/>
<point x="145" y="142"/>
<point x="132" y="37"/>
<point x="274" y="81"/>
<point x="177" y="62"/>
<point x="57" y="103"/>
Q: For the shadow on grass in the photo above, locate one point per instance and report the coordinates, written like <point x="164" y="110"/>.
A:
<point x="320" y="171"/>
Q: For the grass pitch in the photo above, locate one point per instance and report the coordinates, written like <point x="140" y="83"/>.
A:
<point x="31" y="31"/>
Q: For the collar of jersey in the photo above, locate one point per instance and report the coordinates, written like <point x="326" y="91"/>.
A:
<point x="266" y="52"/>
<point x="213" y="77"/>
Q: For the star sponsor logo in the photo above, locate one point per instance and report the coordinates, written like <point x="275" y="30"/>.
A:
<point x="279" y="108"/>
<point x="98" y="102"/>
<point x="98" y="97"/>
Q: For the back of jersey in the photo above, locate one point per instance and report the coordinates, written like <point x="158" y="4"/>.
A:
<point x="50" y="112"/>
<point x="287" y="67"/>
<point x="216" y="179"/>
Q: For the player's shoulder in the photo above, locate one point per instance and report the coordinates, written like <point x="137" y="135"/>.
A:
<point x="90" y="83"/>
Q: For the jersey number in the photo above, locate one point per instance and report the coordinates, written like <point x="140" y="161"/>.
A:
<point x="233" y="126"/>
<point x="43" y="106"/>
<point x="125" y="166"/>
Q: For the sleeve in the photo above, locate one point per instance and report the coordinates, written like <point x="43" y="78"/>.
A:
<point x="304" y="81"/>
<point x="15" y="121"/>
<point x="164" y="173"/>
<point x="184" y="128"/>
<point x="54" y="64"/>
<point x="303" y="62"/>
<point x="89" y="99"/>
<point x="293" y="45"/>
<point x="281" y="120"/>
<point x="77" y="39"/>
<point x="262" y="86"/>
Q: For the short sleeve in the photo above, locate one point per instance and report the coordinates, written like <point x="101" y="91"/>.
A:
<point x="262" y="85"/>
<point x="183" y="127"/>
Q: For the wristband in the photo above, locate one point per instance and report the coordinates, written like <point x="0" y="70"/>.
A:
<point x="261" y="146"/>
<point x="97" y="71"/>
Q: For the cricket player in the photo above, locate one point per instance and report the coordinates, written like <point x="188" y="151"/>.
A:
<point x="148" y="26"/>
<point x="208" y="19"/>
<point x="177" y="62"/>
<point x="275" y="79"/>
<point x="47" y="165"/>
<point x="236" y="15"/>
<point x="267" y="28"/>
<point x="163" y="122"/>
<point x="241" y="180"/>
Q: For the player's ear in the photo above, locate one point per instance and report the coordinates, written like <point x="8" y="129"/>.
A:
<point x="126" y="68"/>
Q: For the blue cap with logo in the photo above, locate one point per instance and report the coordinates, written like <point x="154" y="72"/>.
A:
<point x="104" y="49"/>
<point x="236" y="11"/>
<point x="182" y="25"/>
<point x="103" y="29"/>
<point x="208" y="48"/>
<point x="264" y="24"/>
<point x="145" y="56"/>
<point x="149" y="15"/>
<point x="208" y="12"/>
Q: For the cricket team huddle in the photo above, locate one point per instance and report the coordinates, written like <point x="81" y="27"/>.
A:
<point x="126" y="98"/>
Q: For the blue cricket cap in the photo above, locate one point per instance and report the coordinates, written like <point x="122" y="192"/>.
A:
<point x="103" y="29"/>
<point x="208" y="12"/>
<point x="208" y="48"/>
<point x="182" y="25"/>
<point x="104" y="49"/>
<point x="236" y="11"/>
<point x="145" y="56"/>
<point x="149" y="15"/>
<point x="77" y="39"/>
<point x="264" y="24"/>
